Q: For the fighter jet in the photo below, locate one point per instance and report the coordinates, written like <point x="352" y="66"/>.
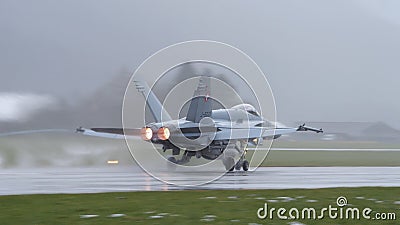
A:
<point x="204" y="132"/>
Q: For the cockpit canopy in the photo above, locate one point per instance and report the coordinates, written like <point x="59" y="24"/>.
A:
<point x="248" y="108"/>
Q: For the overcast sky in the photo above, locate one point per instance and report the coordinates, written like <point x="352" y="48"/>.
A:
<point x="325" y="60"/>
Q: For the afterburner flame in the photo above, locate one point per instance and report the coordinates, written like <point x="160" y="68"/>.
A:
<point x="163" y="133"/>
<point x="146" y="133"/>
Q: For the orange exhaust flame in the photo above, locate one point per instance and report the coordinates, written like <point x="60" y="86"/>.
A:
<point x="163" y="133"/>
<point x="146" y="133"/>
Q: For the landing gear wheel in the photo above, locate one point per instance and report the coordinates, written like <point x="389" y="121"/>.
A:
<point x="238" y="165"/>
<point x="245" y="165"/>
<point x="229" y="163"/>
<point x="172" y="159"/>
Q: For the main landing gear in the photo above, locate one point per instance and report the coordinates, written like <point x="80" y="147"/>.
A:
<point x="228" y="157"/>
<point x="242" y="163"/>
<point x="230" y="165"/>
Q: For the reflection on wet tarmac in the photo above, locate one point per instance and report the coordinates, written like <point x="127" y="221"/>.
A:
<point x="115" y="179"/>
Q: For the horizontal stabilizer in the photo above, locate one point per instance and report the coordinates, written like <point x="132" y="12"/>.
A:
<point x="113" y="133"/>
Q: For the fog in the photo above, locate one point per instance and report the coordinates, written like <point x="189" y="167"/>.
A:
<point x="325" y="60"/>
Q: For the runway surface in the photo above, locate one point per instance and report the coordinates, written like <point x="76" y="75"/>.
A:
<point x="116" y="179"/>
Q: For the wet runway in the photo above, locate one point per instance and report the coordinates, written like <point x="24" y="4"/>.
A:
<point x="116" y="179"/>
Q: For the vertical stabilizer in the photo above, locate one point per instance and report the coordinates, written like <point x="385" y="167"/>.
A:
<point x="157" y="110"/>
<point x="200" y="105"/>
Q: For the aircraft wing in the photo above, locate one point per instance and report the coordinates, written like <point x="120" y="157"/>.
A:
<point x="259" y="132"/>
<point x="113" y="133"/>
<point x="222" y="133"/>
<point x="249" y="133"/>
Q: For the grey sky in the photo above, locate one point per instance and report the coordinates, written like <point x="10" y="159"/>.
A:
<point x="325" y="60"/>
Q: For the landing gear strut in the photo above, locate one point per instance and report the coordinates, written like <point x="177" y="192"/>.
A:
<point x="229" y="163"/>
<point x="242" y="163"/>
